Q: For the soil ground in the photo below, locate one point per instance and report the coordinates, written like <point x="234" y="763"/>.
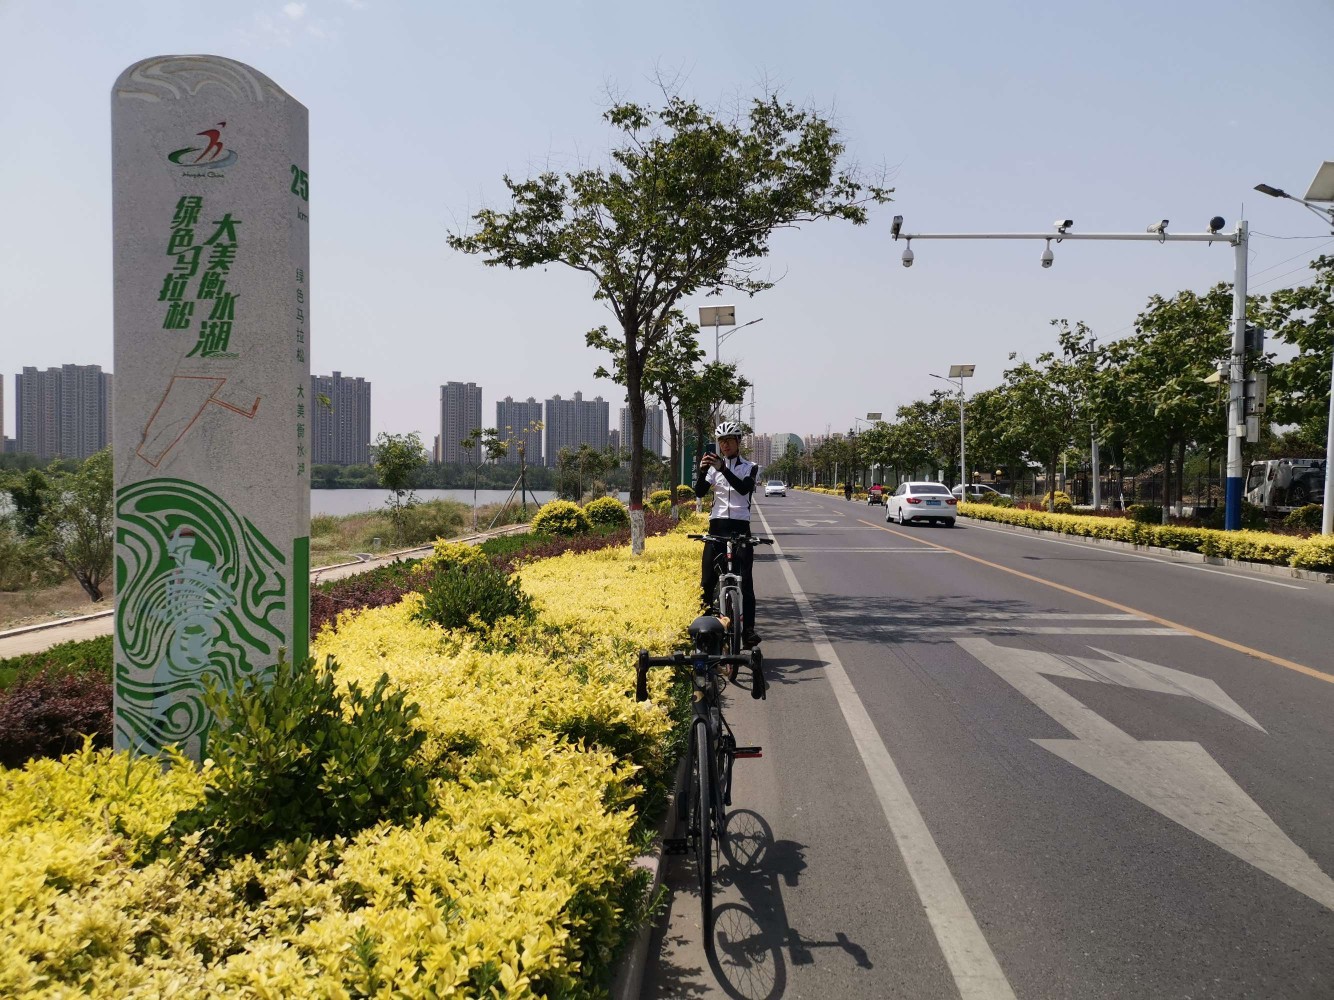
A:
<point x="65" y="600"/>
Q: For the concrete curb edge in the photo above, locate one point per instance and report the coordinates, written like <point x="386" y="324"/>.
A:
<point x="629" y="978"/>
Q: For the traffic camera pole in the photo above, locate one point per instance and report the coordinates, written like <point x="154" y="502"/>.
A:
<point x="1236" y="412"/>
<point x="1236" y="400"/>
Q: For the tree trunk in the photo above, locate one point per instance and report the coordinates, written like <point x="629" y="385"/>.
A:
<point x="634" y="384"/>
<point x="1181" y="474"/>
<point x="673" y="446"/>
<point x="1167" y="482"/>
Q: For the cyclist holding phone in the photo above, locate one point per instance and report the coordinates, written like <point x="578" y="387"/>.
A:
<point x="733" y="480"/>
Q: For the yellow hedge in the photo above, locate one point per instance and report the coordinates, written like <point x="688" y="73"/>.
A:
<point x="513" y="885"/>
<point x="1246" y="546"/>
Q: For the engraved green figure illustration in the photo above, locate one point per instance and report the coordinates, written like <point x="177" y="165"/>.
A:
<point x="202" y="592"/>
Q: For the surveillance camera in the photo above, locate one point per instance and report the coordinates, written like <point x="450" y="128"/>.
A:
<point x="1063" y="224"/>
<point x="1217" y="223"/>
<point x="1157" y="227"/>
<point x="1047" y="257"/>
<point x="907" y="255"/>
<point x="895" y="226"/>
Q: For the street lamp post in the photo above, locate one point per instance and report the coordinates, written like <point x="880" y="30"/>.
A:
<point x="1157" y="233"/>
<point x="960" y="372"/>
<point x="718" y="317"/>
<point x="1321" y="190"/>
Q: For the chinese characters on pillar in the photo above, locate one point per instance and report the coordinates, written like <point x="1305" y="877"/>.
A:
<point x="301" y="421"/>
<point x="202" y="268"/>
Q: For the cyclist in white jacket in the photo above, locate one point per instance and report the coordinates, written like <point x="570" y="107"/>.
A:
<point x="733" y="480"/>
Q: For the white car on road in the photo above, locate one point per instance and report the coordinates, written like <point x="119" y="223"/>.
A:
<point x="775" y="488"/>
<point x="922" y="501"/>
<point x="980" y="493"/>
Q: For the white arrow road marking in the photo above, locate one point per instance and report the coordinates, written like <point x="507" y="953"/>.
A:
<point x="1178" y="779"/>
<point x="811" y="522"/>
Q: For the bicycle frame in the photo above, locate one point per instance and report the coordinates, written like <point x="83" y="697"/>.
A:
<point x="727" y="594"/>
<point x="713" y="749"/>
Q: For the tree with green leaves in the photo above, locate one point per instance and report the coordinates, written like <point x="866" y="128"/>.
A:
<point x="77" y="515"/>
<point x="1303" y="317"/>
<point x="669" y="369"/>
<point x="396" y="459"/>
<point x="689" y="203"/>
<point x="1160" y="377"/>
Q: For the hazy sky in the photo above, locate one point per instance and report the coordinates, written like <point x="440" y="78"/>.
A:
<point x="992" y="116"/>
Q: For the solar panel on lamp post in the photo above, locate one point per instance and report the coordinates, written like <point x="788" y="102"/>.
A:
<point x="960" y="372"/>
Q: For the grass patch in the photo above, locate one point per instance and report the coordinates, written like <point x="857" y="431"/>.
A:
<point x="82" y="656"/>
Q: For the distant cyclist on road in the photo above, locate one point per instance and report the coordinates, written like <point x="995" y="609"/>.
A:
<point x="847" y="489"/>
<point x="733" y="480"/>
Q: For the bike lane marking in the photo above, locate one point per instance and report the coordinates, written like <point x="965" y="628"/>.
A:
<point x="971" y="961"/>
<point x="1218" y="640"/>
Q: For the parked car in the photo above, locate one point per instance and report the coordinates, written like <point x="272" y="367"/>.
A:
<point x="922" y="501"/>
<point x="775" y="488"/>
<point x="876" y="494"/>
<point x="979" y="492"/>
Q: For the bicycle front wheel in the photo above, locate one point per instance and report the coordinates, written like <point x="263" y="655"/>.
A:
<point x="700" y="825"/>
<point x="732" y="609"/>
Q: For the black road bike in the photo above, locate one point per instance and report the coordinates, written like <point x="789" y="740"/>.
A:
<point x="727" y="595"/>
<point x="712" y="747"/>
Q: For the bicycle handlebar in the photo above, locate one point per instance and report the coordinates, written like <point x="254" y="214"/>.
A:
<point x="741" y="539"/>
<point x="750" y="658"/>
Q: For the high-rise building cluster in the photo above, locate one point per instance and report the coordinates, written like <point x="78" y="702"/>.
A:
<point x="61" y="412"/>
<point x="341" y="424"/>
<point x="544" y="429"/>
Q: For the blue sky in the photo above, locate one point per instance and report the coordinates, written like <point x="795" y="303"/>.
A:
<point x="990" y="116"/>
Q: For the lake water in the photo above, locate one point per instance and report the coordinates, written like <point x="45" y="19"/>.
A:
<point x="340" y="502"/>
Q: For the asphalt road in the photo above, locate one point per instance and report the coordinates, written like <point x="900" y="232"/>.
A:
<point x="1000" y="765"/>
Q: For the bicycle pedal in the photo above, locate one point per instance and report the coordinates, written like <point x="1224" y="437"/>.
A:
<point x="748" y="752"/>
<point x="675" y="845"/>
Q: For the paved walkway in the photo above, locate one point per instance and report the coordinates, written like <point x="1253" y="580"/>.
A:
<point x="35" y="638"/>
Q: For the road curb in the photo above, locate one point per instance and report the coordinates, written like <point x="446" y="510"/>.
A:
<point x="1265" y="569"/>
<point x="56" y="623"/>
<point x="629" y="978"/>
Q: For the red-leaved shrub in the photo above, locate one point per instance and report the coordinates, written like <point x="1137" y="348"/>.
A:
<point x="48" y="714"/>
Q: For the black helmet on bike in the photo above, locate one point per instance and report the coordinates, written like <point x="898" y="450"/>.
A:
<point x="707" y="634"/>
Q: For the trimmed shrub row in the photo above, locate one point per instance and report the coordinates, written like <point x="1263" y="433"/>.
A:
<point x="1245" y="546"/>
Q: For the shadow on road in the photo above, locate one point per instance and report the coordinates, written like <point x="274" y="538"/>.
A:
<point x="896" y="618"/>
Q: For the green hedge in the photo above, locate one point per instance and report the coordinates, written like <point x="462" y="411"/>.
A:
<point x="1246" y="546"/>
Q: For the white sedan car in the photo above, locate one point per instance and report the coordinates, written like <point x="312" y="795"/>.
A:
<point x="775" y="488"/>
<point x="923" y="501"/>
<point x="980" y="492"/>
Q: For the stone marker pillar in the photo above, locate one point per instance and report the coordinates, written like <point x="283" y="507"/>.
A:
<point x="212" y="404"/>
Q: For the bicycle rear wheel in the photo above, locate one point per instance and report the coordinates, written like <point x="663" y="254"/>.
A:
<point x="700" y="823"/>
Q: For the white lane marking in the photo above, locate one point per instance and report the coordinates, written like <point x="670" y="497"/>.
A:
<point x="915" y="550"/>
<point x="976" y="972"/>
<point x="1000" y="629"/>
<point x="1020" y="616"/>
<point x="1180" y="780"/>
<point x="1140" y="555"/>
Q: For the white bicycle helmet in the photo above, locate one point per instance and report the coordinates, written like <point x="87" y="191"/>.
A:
<point x="728" y="428"/>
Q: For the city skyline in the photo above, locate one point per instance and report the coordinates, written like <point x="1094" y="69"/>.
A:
<point x="340" y="430"/>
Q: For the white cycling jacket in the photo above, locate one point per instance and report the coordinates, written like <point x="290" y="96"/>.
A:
<point x="730" y="501"/>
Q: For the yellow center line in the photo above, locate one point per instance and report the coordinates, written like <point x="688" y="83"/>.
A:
<point x="1206" y="636"/>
